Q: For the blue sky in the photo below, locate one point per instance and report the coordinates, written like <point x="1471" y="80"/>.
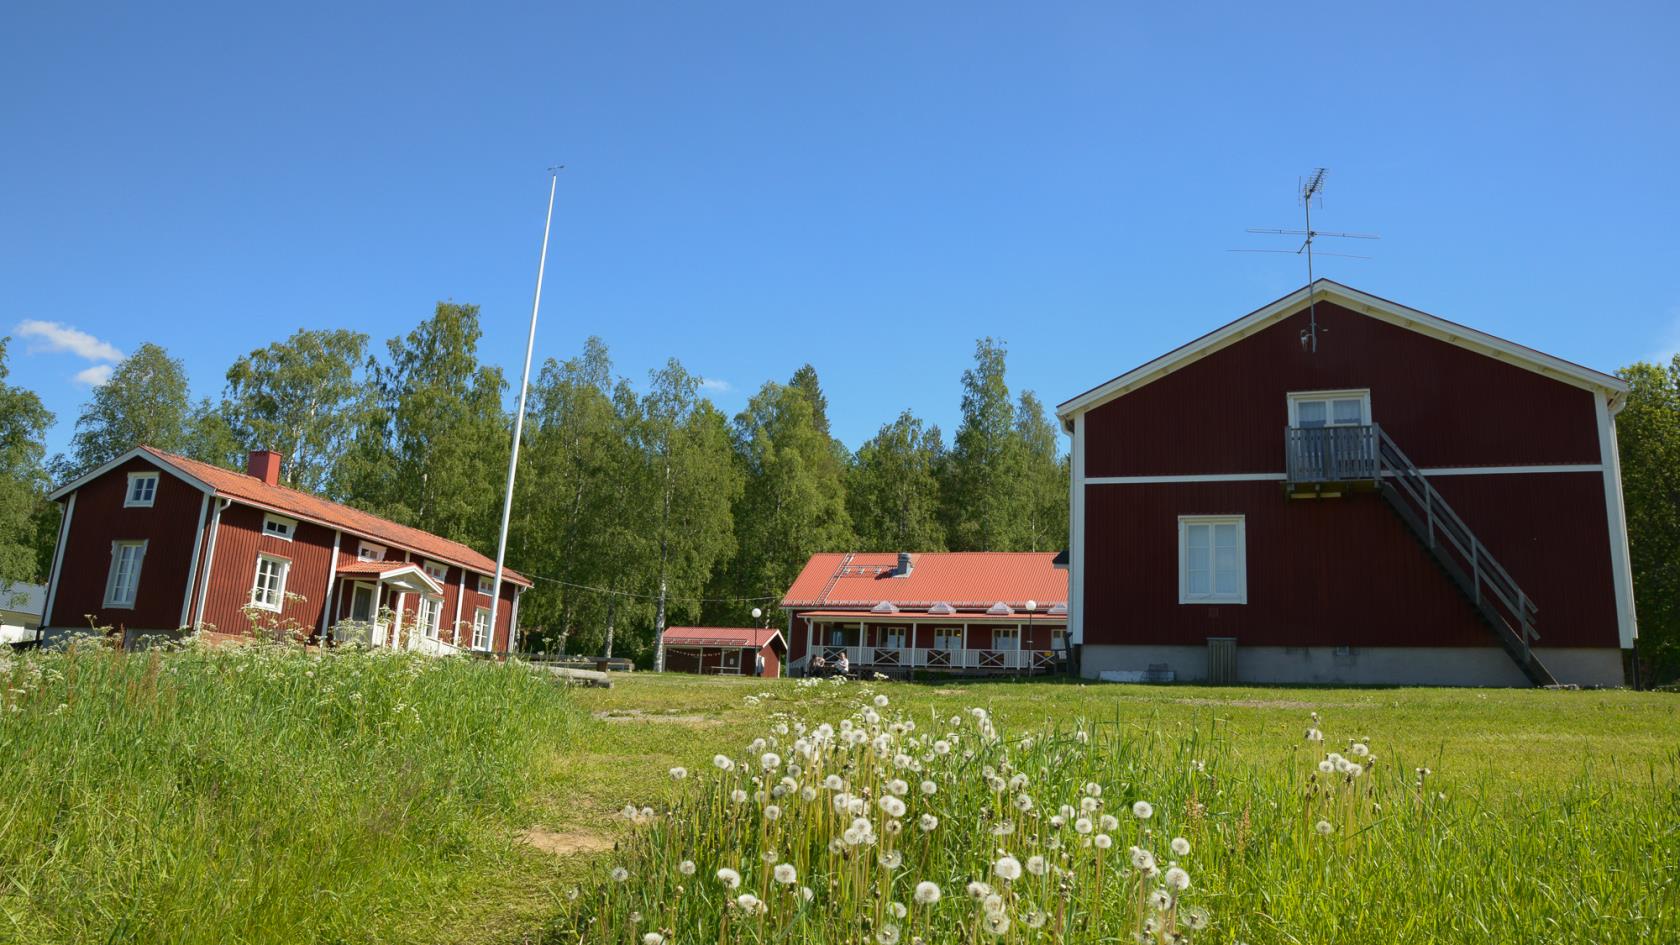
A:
<point x="868" y="187"/>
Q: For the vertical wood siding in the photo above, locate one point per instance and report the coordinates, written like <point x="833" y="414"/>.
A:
<point x="169" y="526"/>
<point x="1443" y="405"/>
<point x="239" y="540"/>
<point x="1347" y="571"/>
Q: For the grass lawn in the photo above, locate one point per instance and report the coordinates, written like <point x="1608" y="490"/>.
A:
<point x="1560" y="819"/>
<point x="246" y="795"/>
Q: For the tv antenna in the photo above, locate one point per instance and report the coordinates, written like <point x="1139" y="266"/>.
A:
<point x="1310" y="188"/>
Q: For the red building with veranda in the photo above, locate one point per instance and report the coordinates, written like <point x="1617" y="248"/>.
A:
<point x="152" y="543"/>
<point x="1339" y="488"/>
<point x="967" y="613"/>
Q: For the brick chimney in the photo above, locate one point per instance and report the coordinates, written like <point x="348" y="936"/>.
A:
<point x="264" y="465"/>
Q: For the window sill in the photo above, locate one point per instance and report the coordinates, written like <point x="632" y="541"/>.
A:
<point x="115" y="605"/>
<point x="271" y="608"/>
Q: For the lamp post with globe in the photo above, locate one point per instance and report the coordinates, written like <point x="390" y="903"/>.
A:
<point x="1032" y="605"/>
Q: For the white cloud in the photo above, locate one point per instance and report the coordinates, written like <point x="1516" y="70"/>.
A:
<point x="53" y="336"/>
<point x="94" y="376"/>
<point x="715" y="384"/>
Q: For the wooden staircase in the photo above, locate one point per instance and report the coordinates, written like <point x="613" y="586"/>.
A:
<point x="1506" y="609"/>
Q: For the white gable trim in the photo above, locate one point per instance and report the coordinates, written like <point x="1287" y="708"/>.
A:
<point x="1357" y="301"/>
<point x="72" y="486"/>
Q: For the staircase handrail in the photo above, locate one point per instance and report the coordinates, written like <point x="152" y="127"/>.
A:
<point x="1438" y="515"/>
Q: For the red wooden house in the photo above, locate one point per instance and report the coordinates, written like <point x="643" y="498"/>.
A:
<point x="724" y="651"/>
<point x="1002" y="613"/>
<point x="154" y="544"/>
<point x="1338" y="488"/>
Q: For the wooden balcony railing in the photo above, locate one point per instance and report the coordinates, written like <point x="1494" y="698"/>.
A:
<point x="1332" y="454"/>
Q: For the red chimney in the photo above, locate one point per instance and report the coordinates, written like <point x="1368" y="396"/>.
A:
<point x="264" y="465"/>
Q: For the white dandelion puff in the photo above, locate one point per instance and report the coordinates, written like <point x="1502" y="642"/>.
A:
<point x="927" y="893"/>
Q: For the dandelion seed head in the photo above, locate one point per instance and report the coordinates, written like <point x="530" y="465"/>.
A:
<point x="927" y="893"/>
<point x="729" y="878"/>
<point x="1007" y="868"/>
<point x="785" y="874"/>
<point x="1143" y="810"/>
<point x="1180" y="846"/>
<point x="1176" y="878"/>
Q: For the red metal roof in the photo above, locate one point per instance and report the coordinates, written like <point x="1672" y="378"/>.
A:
<point x="754" y="637"/>
<point x="252" y="491"/>
<point x="967" y="580"/>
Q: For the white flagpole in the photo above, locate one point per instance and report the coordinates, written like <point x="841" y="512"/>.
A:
<point x="519" y="421"/>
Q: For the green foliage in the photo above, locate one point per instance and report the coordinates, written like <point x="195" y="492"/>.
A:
<point x="299" y="397"/>
<point x="23" y="424"/>
<point x="1648" y="433"/>
<point x="1005" y="488"/>
<point x="144" y="402"/>
<point x="262" y="794"/>
<point x="430" y="449"/>
<point x="893" y="488"/>
<point x="793" y="504"/>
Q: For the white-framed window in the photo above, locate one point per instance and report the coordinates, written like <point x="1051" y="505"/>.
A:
<point x="437" y="571"/>
<point x="268" y="589"/>
<point x="1058" y="638"/>
<point x="430" y="615"/>
<point x="947" y="638"/>
<point x="486" y="584"/>
<point x="142" y="490"/>
<point x="1329" y="408"/>
<point x="279" y="526"/>
<point x="1006" y="638"/>
<point x="892" y="638"/>
<point x="123" y="583"/>
<point x="368" y="551"/>
<point x="1212" y="560"/>
<point x="481" y="628"/>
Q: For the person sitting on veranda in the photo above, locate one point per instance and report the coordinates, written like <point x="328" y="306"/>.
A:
<point x="842" y="665"/>
<point x="819" y="666"/>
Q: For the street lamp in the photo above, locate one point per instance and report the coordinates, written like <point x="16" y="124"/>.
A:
<point x="757" y="613"/>
<point x="1032" y="605"/>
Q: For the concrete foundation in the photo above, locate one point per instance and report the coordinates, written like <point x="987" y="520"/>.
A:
<point x="1363" y="666"/>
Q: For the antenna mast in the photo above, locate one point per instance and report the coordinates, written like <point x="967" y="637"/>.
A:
<point x="1311" y="188"/>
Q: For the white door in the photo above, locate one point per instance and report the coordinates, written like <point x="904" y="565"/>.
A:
<point x="1006" y="638"/>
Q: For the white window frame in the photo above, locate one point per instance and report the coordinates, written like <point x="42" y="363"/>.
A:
<point x="430" y="616"/>
<point x="886" y="632"/>
<point x="436" y="570"/>
<point x="943" y="638"/>
<point x="135" y="479"/>
<point x="1008" y="633"/>
<point x="280" y="584"/>
<point x="139" y="561"/>
<point x="1297" y="397"/>
<point x="279" y="526"/>
<point x="482" y="634"/>
<point x="1185" y="523"/>
<point x="487" y="585"/>
<point x="368" y="551"/>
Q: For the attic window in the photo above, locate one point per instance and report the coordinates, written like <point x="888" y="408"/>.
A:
<point x="142" y="490"/>
<point x="279" y="526"/>
<point x="368" y="551"/>
<point x="884" y="607"/>
<point x="1000" y="609"/>
<point x="942" y="609"/>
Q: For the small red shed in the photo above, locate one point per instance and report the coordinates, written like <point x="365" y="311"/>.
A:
<point x="725" y="651"/>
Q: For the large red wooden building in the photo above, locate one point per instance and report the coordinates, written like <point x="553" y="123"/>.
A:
<point x="986" y="613"/>
<point x="154" y="544"/>
<point x="1338" y="488"/>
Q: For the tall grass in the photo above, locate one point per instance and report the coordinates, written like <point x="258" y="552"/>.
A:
<point x="1347" y="842"/>
<point x="257" y="794"/>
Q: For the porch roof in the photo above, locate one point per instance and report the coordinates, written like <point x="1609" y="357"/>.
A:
<point x="403" y="575"/>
